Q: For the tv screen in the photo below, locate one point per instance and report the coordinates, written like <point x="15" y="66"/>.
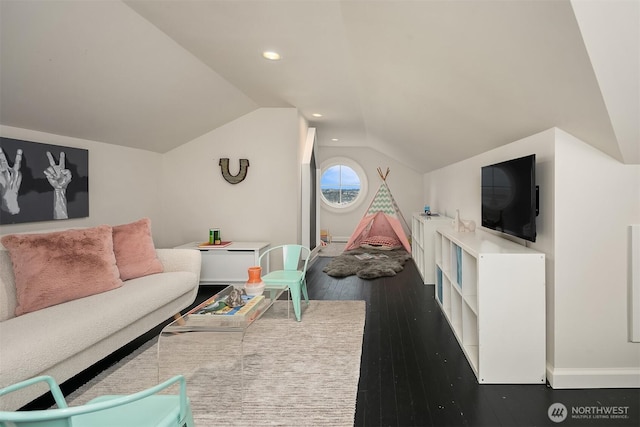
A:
<point x="509" y="197"/>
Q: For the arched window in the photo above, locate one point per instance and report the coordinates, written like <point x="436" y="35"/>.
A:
<point x="343" y="184"/>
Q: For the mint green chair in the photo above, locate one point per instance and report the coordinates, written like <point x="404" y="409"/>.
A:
<point x="293" y="274"/>
<point x="144" y="408"/>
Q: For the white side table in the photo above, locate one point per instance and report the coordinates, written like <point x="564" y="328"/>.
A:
<point x="229" y="264"/>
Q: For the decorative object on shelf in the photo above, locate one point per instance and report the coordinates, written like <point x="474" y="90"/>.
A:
<point x="463" y="225"/>
<point x="234" y="299"/>
<point x="456" y="221"/>
<point x="214" y="236"/>
<point x="255" y="285"/>
<point x="427" y="209"/>
<point x="469" y="225"/>
<point x="240" y="176"/>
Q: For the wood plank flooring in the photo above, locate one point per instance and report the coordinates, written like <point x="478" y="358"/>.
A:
<point x="413" y="372"/>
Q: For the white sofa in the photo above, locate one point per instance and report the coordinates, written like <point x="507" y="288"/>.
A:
<point x="64" y="339"/>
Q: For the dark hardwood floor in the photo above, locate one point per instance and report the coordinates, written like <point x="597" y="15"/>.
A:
<point x="413" y="372"/>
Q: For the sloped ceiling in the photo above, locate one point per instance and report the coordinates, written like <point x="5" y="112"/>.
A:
<point x="428" y="83"/>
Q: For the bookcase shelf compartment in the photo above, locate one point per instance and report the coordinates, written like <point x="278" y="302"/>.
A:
<point x="423" y="245"/>
<point x="492" y="293"/>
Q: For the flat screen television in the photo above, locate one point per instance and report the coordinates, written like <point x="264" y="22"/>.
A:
<point x="509" y="197"/>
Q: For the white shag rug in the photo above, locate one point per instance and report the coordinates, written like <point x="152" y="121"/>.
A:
<point x="292" y="373"/>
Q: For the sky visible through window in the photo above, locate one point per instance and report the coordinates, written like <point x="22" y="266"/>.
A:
<point x="340" y="185"/>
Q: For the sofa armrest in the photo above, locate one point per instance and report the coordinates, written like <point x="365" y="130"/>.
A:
<point x="180" y="260"/>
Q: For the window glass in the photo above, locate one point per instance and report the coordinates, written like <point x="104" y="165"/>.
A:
<point x="342" y="184"/>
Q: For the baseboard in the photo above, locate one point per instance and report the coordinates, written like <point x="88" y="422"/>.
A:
<point x="578" y="378"/>
<point x="313" y="256"/>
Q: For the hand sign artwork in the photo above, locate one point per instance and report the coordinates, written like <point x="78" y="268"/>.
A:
<point x="10" y="180"/>
<point x="42" y="182"/>
<point x="59" y="177"/>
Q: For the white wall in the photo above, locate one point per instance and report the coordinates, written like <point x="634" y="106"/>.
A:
<point x="183" y="191"/>
<point x="597" y="198"/>
<point x="263" y="207"/>
<point x="405" y="185"/>
<point x="123" y="183"/>
<point x="585" y="263"/>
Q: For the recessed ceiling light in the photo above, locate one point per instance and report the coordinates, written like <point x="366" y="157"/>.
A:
<point x="335" y="139"/>
<point x="317" y="115"/>
<point x="270" y="55"/>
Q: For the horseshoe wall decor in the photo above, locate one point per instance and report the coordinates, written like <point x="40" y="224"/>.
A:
<point x="240" y="176"/>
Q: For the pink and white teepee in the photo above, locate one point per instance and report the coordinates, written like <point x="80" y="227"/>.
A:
<point x="381" y="222"/>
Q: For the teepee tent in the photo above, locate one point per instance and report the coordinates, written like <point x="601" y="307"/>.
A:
<point x="381" y="222"/>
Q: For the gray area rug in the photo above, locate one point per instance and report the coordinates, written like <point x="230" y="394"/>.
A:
<point x="375" y="263"/>
<point x="291" y="373"/>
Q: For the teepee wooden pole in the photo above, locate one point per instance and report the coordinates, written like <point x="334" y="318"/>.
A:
<point x="383" y="176"/>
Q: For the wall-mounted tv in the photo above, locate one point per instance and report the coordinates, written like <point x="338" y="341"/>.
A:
<point x="509" y="197"/>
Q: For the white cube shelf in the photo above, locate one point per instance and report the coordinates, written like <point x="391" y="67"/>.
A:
<point x="423" y="234"/>
<point x="492" y="292"/>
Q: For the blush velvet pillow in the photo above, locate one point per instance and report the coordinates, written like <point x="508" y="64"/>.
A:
<point x="134" y="249"/>
<point x="52" y="268"/>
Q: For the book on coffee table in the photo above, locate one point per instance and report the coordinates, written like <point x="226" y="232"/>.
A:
<point x="217" y="307"/>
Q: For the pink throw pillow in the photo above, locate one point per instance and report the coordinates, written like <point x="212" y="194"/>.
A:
<point x="52" y="268"/>
<point x="381" y="242"/>
<point x="135" y="251"/>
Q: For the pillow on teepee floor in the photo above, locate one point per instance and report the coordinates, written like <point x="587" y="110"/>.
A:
<point x="381" y="242"/>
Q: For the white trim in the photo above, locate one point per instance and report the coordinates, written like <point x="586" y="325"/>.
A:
<point x="634" y="283"/>
<point x="305" y="177"/>
<point x="313" y="256"/>
<point x="563" y="378"/>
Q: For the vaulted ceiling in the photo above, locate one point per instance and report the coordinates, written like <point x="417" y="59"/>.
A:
<point x="426" y="82"/>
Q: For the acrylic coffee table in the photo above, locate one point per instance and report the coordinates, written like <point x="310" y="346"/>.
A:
<point x="209" y="348"/>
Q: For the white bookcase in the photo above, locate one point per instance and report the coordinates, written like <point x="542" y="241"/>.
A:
<point x="492" y="292"/>
<point x="423" y="233"/>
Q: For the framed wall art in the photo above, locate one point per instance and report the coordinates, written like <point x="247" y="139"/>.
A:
<point x="42" y="182"/>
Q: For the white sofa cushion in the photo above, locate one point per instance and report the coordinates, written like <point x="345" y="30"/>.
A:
<point x="27" y="340"/>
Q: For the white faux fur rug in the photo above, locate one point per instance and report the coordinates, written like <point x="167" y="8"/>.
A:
<point x="293" y="374"/>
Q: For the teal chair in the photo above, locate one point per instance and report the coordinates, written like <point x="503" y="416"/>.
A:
<point x="292" y="276"/>
<point x="144" y="408"/>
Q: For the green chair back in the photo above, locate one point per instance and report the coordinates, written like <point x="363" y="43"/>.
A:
<point x="145" y="408"/>
<point x="295" y="259"/>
